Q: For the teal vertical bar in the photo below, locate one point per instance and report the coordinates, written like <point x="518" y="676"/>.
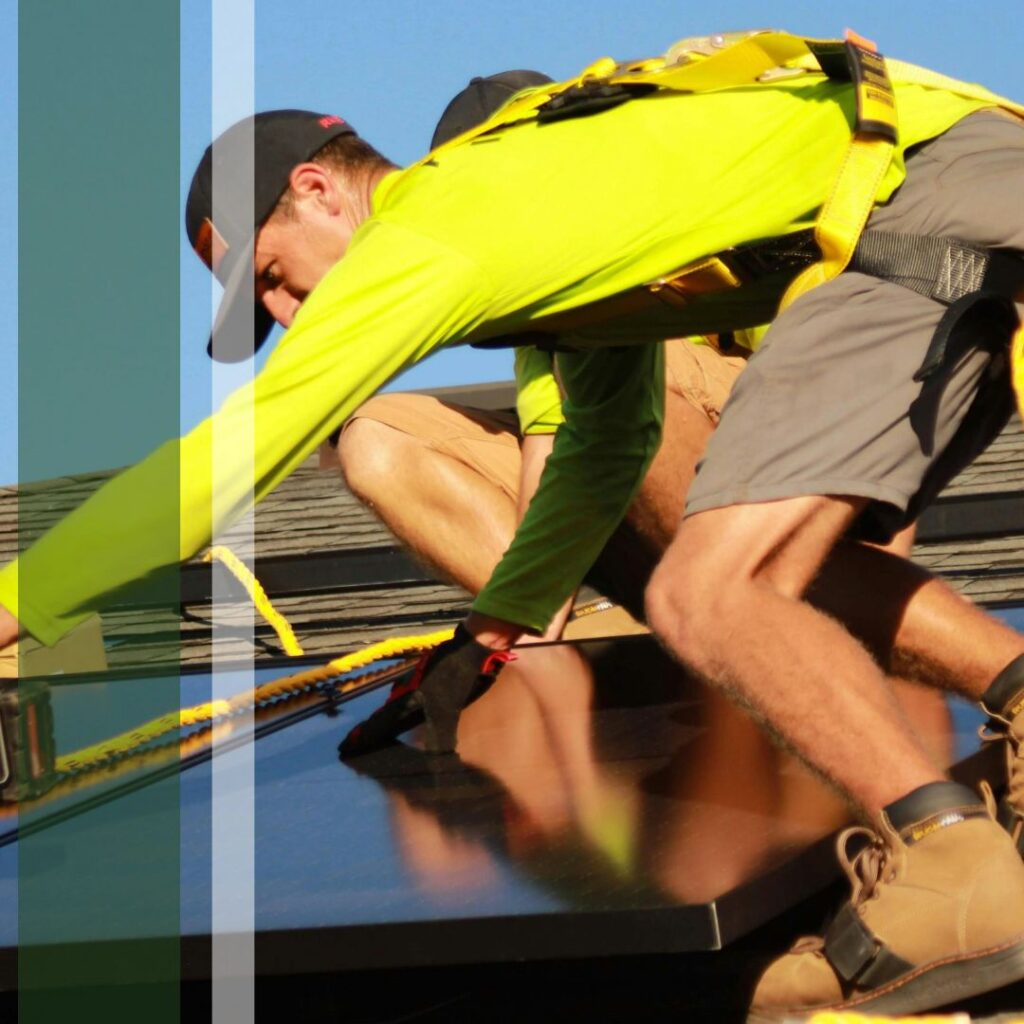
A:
<point x="98" y="370"/>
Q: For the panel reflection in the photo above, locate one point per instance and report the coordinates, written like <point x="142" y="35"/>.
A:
<point x="606" y="775"/>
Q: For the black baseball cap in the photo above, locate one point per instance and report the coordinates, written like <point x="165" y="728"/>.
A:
<point x="481" y="98"/>
<point x="277" y="140"/>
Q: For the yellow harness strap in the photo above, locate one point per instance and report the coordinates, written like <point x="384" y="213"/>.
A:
<point x="868" y="156"/>
<point x="731" y="60"/>
<point x="1017" y="367"/>
<point x="741" y="59"/>
<point x="735" y="64"/>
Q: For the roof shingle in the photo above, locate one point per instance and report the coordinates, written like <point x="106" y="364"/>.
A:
<point x="312" y="512"/>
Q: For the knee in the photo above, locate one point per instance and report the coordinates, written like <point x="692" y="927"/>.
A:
<point x="371" y="455"/>
<point x="663" y="604"/>
<point x="686" y="609"/>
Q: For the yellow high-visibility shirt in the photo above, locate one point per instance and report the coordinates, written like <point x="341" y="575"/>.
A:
<point x="481" y="242"/>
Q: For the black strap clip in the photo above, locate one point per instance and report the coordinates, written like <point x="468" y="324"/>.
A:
<point x="993" y="320"/>
<point x="971" y="280"/>
<point x="857" y="955"/>
<point x="590" y="97"/>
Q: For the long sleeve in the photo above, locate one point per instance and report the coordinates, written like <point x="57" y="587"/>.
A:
<point x="396" y="296"/>
<point x="486" y="241"/>
<point x="613" y="416"/>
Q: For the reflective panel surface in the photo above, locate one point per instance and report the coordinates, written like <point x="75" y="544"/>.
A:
<point x="602" y="802"/>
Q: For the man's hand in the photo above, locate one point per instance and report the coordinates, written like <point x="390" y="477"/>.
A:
<point x="444" y="681"/>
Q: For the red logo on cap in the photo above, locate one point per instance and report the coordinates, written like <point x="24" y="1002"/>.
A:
<point x="330" y="120"/>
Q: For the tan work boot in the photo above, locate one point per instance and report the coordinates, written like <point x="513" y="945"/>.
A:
<point x="936" y="916"/>
<point x="1003" y="702"/>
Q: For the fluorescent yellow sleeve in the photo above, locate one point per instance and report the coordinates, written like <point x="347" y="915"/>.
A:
<point x="345" y="344"/>
<point x="483" y="241"/>
<point x="538" y="399"/>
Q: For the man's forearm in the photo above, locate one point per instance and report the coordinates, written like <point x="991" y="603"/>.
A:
<point x="337" y="353"/>
<point x="497" y="634"/>
<point x="535" y="449"/>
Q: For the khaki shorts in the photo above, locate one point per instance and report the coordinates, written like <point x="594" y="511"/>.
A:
<point x="488" y="442"/>
<point x="829" y="405"/>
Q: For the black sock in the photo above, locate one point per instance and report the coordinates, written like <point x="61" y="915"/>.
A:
<point x="1005" y="687"/>
<point x="929" y="800"/>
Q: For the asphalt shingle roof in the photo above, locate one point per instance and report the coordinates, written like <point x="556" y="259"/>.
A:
<point x="312" y="514"/>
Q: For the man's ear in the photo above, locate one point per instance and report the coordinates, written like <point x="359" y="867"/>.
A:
<point x="311" y="181"/>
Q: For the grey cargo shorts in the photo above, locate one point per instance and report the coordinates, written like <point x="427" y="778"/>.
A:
<point x="828" y="404"/>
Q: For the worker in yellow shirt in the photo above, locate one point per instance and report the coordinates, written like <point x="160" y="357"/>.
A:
<point x="452" y="482"/>
<point x="586" y="213"/>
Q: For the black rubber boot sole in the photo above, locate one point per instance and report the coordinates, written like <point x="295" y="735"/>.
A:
<point x="940" y="983"/>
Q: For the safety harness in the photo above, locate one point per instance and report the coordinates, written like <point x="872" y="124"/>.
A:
<point x="968" y="280"/>
<point x="964" y="277"/>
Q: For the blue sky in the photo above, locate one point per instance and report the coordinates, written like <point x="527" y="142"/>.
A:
<point x="390" y="67"/>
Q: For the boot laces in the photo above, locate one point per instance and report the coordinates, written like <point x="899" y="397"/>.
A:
<point x="875" y="863"/>
<point x="999" y="730"/>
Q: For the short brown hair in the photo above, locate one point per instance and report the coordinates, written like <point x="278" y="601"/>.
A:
<point x="346" y="154"/>
<point x="350" y="153"/>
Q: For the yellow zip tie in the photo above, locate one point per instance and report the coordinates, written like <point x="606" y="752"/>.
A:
<point x="241" y="572"/>
<point x="210" y="711"/>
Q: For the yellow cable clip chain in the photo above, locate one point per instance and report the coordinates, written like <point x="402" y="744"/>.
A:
<point x="210" y="711"/>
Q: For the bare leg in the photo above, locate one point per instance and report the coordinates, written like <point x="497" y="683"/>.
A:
<point x="925" y="706"/>
<point x="451" y="517"/>
<point x="727" y="601"/>
<point x="917" y="626"/>
<point x="460" y="524"/>
<point x="635" y="548"/>
<point x="658" y="511"/>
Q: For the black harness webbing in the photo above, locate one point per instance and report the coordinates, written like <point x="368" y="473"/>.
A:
<point x="968" y="279"/>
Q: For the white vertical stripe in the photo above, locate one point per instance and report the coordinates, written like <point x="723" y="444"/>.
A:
<point x="233" y="790"/>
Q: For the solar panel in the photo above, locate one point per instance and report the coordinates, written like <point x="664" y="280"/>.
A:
<point x="603" y="803"/>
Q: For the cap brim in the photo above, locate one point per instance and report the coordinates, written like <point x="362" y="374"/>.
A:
<point x="241" y="325"/>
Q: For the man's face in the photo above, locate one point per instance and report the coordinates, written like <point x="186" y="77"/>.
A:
<point x="297" y="246"/>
